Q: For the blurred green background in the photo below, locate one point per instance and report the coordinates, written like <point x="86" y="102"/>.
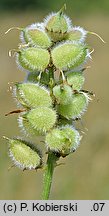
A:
<point x="85" y="174"/>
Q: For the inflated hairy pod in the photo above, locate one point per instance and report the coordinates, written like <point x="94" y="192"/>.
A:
<point x="32" y="95"/>
<point x="63" y="140"/>
<point x="34" y="35"/>
<point x="76" y="80"/>
<point x="75" y="108"/>
<point x="24" y="154"/>
<point x="63" y="93"/>
<point x="57" y="25"/>
<point x="69" y="55"/>
<point x="77" y="34"/>
<point x="33" y="59"/>
<point x="42" y="118"/>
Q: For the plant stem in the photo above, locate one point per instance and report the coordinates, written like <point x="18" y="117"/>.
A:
<point x="47" y="181"/>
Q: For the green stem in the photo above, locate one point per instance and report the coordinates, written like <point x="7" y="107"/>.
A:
<point x="47" y="181"/>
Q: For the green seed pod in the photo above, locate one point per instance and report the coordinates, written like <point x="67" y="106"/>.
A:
<point x="33" y="59"/>
<point x="35" y="36"/>
<point x="24" y="154"/>
<point x="69" y="55"/>
<point x="75" y="108"/>
<point x="63" y="140"/>
<point x="63" y="93"/>
<point x="32" y="95"/>
<point x="41" y="119"/>
<point x="77" y="34"/>
<point x="76" y="80"/>
<point x="57" y="25"/>
<point x="26" y="127"/>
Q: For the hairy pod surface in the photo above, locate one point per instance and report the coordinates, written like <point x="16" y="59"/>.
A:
<point x="24" y="154"/>
<point x="51" y="98"/>
<point x="33" y="59"/>
<point x="68" y="55"/>
<point x="63" y="93"/>
<point x="77" y="34"/>
<point x="42" y="118"/>
<point x="33" y="95"/>
<point x="57" y="26"/>
<point x="63" y="140"/>
<point x="75" y="108"/>
<point x="76" y="80"/>
<point x="26" y="127"/>
<point x="36" y="37"/>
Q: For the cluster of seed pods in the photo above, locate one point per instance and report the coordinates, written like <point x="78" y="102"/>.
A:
<point x="53" y="54"/>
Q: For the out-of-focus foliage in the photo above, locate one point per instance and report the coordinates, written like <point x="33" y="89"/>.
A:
<point x="77" y="5"/>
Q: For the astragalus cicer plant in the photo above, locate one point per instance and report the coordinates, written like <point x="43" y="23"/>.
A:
<point x="53" y="54"/>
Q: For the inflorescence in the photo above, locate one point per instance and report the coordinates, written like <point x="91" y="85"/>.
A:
<point x="53" y="54"/>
